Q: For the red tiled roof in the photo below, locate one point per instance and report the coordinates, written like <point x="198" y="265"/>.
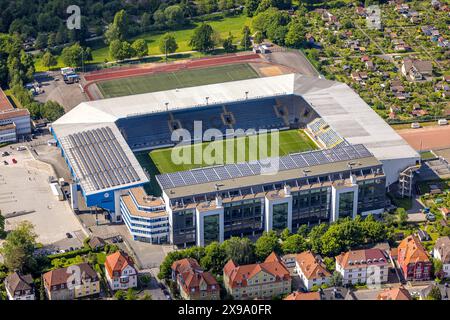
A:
<point x="117" y="262"/>
<point x="311" y="267"/>
<point x="395" y="294"/>
<point x="238" y="275"/>
<point x="191" y="276"/>
<point x="412" y="251"/>
<point x="303" y="296"/>
<point x="357" y="258"/>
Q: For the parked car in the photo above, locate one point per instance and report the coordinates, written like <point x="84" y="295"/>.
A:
<point x="68" y="235"/>
<point x="430" y="217"/>
<point x="5" y="163"/>
<point x="5" y="153"/>
<point x="14" y="160"/>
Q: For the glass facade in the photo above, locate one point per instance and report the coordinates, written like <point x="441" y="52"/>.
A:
<point x="280" y="216"/>
<point x="346" y="204"/>
<point x="243" y="217"/>
<point x="211" y="229"/>
<point x="183" y="227"/>
<point x="310" y="206"/>
<point x="371" y="194"/>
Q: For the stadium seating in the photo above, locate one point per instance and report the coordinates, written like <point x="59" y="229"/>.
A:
<point x="324" y="134"/>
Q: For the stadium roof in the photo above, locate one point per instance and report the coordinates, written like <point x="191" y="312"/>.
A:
<point x="335" y="102"/>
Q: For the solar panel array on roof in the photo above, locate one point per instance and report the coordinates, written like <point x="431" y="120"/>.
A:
<point x="102" y="161"/>
<point x="231" y="171"/>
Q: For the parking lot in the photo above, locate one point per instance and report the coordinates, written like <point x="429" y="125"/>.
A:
<point x="25" y="194"/>
<point x="54" y="89"/>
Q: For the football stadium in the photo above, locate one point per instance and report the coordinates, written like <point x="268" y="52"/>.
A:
<point x="336" y="158"/>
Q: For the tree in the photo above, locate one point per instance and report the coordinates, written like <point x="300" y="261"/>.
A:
<point x="240" y="250"/>
<point x="266" y="244"/>
<point x="434" y="294"/>
<point x="174" y="16"/>
<point x="202" y="39"/>
<point x="336" y="279"/>
<point x="214" y="259"/>
<point x="131" y="294"/>
<point x="52" y="110"/>
<point x="119" y="295"/>
<point x="118" y="29"/>
<point x="250" y="7"/>
<point x="73" y="56"/>
<point x="167" y="44"/>
<point x="438" y="268"/>
<point x="303" y="230"/>
<point x="61" y="35"/>
<point x="315" y="237"/>
<point x="246" y="42"/>
<point x="402" y="216"/>
<point x="48" y="60"/>
<point x="259" y="37"/>
<point x="120" y="50"/>
<point x="140" y="48"/>
<point x="296" y="33"/>
<point x="19" y="246"/>
<point x="374" y="231"/>
<point x="41" y="41"/>
<point x="159" y="18"/>
<point x="285" y="234"/>
<point x="147" y="296"/>
<point x="228" y="45"/>
<point x="294" y="244"/>
<point x="2" y="226"/>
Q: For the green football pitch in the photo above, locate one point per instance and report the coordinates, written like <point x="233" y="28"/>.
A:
<point x="212" y="153"/>
<point x="173" y="80"/>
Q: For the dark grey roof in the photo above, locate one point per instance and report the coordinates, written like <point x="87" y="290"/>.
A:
<point x="18" y="282"/>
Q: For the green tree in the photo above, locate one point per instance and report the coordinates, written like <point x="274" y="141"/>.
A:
<point x="120" y="50"/>
<point x="336" y="279"/>
<point x="374" y="231"/>
<point x="147" y="296"/>
<point x="250" y="7"/>
<point x="119" y="295"/>
<point x="259" y="37"/>
<point x="2" y="226"/>
<point x="438" y="268"/>
<point x="118" y="29"/>
<point x="52" y="110"/>
<point x="228" y="45"/>
<point x="315" y="237"/>
<point x="246" y="42"/>
<point x="131" y="294"/>
<point x="168" y="44"/>
<point x="214" y="259"/>
<point x="296" y="33"/>
<point x="266" y="244"/>
<point x="329" y="263"/>
<point x="41" y="41"/>
<point x="402" y="216"/>
<point x="293" y="244"/>
<point x="240" y="250"/>
<point x="285" y="234"/>
<point x="19" y="246"/>
<point x="48" y="60"/>
<point x="174" y="16"/>
<point x="434" y="294"/>
<point x="303" y="230"/>
<point x="203" y="38"/>
<point x="140" y="48"/>
<point x="73" y="56"/>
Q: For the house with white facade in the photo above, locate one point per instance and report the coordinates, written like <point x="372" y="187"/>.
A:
<point x="120" y="271"/>
<point x="441" y="252"/>
<point x="367" y="266"/>
<point x="19" y="287"/>
<point x="311" y="270"/>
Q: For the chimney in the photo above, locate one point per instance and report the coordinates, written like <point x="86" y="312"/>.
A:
<point x="218" y="201"/>
<point x="287" y="190"/>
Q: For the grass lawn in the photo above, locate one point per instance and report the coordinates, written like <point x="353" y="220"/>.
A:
<point x="100" y="51"/>
<point x="427" y="155"/>
<point x="291" y="141"/>
<point x="172" y="80"/>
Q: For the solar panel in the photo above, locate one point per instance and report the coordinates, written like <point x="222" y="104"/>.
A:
<point x="233" y="171"/>
<point x="244" y="169"/>
<point x="210" y="174"/>
<point x="310" y="159"/>
<point x="200" y="176"/>
<point x="222" y="173"/>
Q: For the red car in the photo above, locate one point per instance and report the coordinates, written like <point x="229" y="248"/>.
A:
<point x="14" y="161"/>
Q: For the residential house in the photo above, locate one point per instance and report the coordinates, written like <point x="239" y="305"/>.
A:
<point x="370" y="65"/>
<point x="120" y="271"/>
<point x="311" y="270"/>
<point x="194" y="283"/>
<point x="441" y="252"/>
<point x="303" y="296"/>
<point x="444" y="88"/>
<point x="361" y="11"/>
<point x="414" y="69"/>
<point x="359" y="76"/>
<point x="363" y="266"/>
<point x="413" y="260"/>
<point x="70" y="283"/>
<point x="96" y="243"/>
<point x="261" y="280"/>
<point x="395" y="294"/>
<point x="19" y="287"/>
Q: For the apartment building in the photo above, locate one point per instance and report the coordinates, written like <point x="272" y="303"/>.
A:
<point x="311" y="270"/>
<point x="120" y="271"/>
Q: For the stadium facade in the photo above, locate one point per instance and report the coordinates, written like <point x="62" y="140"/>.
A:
<point x="360" y="157"/>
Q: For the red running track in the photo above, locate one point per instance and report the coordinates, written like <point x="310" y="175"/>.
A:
<point x="198" y="63"/>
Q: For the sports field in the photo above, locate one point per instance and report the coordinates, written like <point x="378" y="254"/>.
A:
<point x="173" y="80"/>
<point x="291" y="141"/>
